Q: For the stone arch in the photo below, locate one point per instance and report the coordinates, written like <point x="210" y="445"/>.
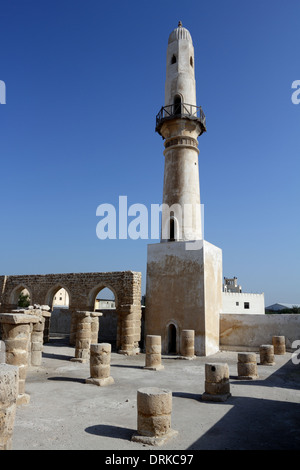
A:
<point x="110" y="321"/>
<point x="95" y="290"/>
<point x="52" y="291"/>
<point x="15" y="293"/>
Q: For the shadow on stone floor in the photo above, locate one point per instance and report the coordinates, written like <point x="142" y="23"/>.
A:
<point x="189" y="396"/>
<point x="67" y="379"/>
<point x="61" y="357"/>
<point x="253" y="424"/>
<point x="126" y="366"/>
<point x="107" y="430"/>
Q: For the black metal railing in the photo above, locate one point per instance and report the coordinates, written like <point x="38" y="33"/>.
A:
<point x="181" y="110"/>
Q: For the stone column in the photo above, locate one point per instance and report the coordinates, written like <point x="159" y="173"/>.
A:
<point x="46" y="313"/>
<point x="217" y="387"/>
<point x="9" y="379"/>
<point x="154" y="408"/>
<point x="247" y="366"/>
<point x="37" y="334"/>
<point x="95" y="326"/>
<point x="83" y="337"/>
<point x="266" y="352"/>
<point x="187" y="346"/>
<point x="37" y="337"/>
<point x="128" y="317"/>
<point x="100" y="355"/>
<point x="153" y="353"/>
<point x="73" y="329"/>
<point x="16" y="334"/>
<point x="279" y="345"/>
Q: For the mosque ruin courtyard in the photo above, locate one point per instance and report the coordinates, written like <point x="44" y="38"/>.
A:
<point x="114" y="380"/>
<point x="66" y="413"/>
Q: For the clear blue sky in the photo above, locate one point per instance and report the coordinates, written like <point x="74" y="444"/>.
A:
<point x="85" y="80"/>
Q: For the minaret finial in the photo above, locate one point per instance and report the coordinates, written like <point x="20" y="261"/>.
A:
<point x="180" y="24"/>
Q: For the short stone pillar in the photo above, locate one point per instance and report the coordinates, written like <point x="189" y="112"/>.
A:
<point x="153" y="353"/>
<point x="187" y="344"/>
<point x="9" y="383"/>
<point x="16" y="334"/>
<point x="83" y="337"/>
<point x="154" y="410"/>
<point x="247" y="366"/>
<point x="217" y="386"/>
<point x="278" y="343"/>
<point x="266" y="352"/>
<point x="100" y="355"/>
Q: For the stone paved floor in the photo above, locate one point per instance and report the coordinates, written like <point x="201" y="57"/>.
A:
<point x="65" y="413"/>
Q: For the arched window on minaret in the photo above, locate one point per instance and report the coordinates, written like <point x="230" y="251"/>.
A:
<point x="177" y="104"/>
<point x="173" y="60"/>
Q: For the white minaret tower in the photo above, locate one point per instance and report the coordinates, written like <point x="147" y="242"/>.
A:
<point x="184" y="278"/>
<point x="180" y="122"/>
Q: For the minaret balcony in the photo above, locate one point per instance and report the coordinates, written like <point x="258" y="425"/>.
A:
<point x="180" y="111"/>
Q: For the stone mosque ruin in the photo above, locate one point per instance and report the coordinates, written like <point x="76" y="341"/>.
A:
<point x="183" y="314"/>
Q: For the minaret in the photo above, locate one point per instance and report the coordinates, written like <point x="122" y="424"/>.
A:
<point x="184" y="280"/>
<point x="180" y="122"/>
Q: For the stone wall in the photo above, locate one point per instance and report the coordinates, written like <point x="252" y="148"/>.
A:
<point x="83" y="289"/>
<point x="242" y="332"/>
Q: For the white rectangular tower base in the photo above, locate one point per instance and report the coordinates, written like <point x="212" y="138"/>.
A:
<point x="184" y="289"/>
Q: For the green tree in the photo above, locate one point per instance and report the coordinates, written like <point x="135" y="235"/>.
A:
<point x="24" y="300"/>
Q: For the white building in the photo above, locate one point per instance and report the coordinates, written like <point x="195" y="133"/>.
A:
<point x="105" y="304"/>
<point x="61" y="298"/>
<point x="231" y="285"/>
<point x="236" y="301"/>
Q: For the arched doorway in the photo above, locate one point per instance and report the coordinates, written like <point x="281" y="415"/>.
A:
<point x="172" y="337"/>
<point x="105" y="302"/>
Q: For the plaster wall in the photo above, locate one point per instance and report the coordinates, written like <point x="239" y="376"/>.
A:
<point x="240" y="332"/>
<point x="184" y="289"/>
<point x="231" y="299"/>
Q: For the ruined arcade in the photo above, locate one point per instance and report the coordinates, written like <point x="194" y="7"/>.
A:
<point x="82" y="289"/>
